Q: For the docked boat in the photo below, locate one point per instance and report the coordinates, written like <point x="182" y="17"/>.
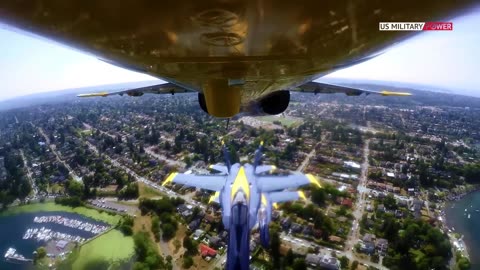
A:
<point x="13" y="257"/>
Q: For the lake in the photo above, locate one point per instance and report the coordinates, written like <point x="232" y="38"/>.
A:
<point x="13" y="227"/>
<point x="457" y="217"/>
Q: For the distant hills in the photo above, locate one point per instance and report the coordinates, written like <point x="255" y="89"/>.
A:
<point x="406" y="85"/>
<point x="457" y="97"/>
<point x="67" y="94"/>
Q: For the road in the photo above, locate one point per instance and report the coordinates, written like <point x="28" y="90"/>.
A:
<point x="170" y="162"/>
<point x="306" y="161"/>
<point x="361" y="199"/>
<point x="33" y="184"/>
<point x="54" y="151"/>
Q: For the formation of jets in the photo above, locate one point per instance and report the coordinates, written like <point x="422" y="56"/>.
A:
<point x="246" y="194"/>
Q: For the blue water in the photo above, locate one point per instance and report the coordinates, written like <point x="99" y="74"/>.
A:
<point x="13" y="227"/>
<point x="469" y="227"/>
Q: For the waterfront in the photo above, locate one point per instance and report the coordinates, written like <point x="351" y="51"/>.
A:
<point x="464" y="216"/>
<point x="13" y="228"/>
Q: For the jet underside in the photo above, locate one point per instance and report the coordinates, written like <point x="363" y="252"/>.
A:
<point x="259" y="46"/>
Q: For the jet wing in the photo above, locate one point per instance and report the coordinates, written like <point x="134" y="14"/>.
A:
<point x="285" y="196"/>
<point x="265" y="169"/>
<point x="276" y="183"/>
<point x="209" y="182"/>
<point x="327" y="88"/>
<point x="165" y="88"/>
<point x="220" y="168"/>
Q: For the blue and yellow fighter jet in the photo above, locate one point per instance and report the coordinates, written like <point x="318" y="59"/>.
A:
<point x="246" y="194"/>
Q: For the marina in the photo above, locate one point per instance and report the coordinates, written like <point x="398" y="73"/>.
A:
<point x="44" y="234"/>
<point x="12" y="256"/>
<point x="57" y="231"/>
<point x="72" y="223"/>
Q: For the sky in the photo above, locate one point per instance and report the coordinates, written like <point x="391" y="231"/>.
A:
<point x="448" y="59"/>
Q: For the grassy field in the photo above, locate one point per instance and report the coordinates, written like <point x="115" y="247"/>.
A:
<point x="148" y="192"/>
<point x="111" y="246"/>
<point x="51" y="206"/>
<point x="285" y="121"/>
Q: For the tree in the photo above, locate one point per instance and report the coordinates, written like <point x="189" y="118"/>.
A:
<point x="187" y="262"/>
<point x="190" y="246"/>
<point x="168" y="231"/>
<point x="41" y="252"/>
<point x="74" y="188"/>
<point x="299" y="264"/>
<point x="275" y="247"/>
<point x="354" y="265"/>
<point x="289" y="258"/>
<point x="344" y="261"/>
<point x="463" y="263"/>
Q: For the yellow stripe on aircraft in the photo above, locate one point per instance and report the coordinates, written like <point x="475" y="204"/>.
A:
<point x="214" y="197"/>
<point x="390" y="93"/>
<point x="241" y="182"/>
<point x="302" y="195"/>
<point x="101" y="94"/>
<point x="169" y="178"/>
<point x="264" y="199"/>
<point x="313" y="180"/>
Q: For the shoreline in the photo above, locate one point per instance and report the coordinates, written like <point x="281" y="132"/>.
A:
<point x="111" y="219"/>
<point x="455" y="238"/>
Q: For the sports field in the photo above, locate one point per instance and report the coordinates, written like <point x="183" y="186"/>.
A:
<point x="111" y="246"/>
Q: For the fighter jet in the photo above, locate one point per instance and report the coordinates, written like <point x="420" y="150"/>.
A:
<point x="246" y="194"/>
<point x="240" y="56"/>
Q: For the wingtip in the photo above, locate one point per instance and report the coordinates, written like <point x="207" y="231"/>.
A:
<point x="101" y="94"/>
<point x="169" y="178"/>
<point x="214" y="197"/>
<point x="313" y="180"/>
<point x="399" y="94"/>
<point x="302" y="195"/>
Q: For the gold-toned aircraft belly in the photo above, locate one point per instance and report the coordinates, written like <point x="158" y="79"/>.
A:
<point x="234" y="53"/>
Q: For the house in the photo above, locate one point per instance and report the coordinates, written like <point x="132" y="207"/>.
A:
<point x="61" y="244"/>
<point x="382" y="246"/>
<point x="223" y="235"/>
<point x="333" y="238"/>
<point x="215" y="241"/>
<point x="308" y="231"/>
<point x="285" y="223"/>
<point x="347" y="202"/>
<point x="330" y="263"/>
<point x="197" y="234"/>
<point x="381" y="208"/>
<point x="194" y="224"/>
<point x="342" y="219"/>
<point x="398" y="214"/>
<point x="313" y="259"/>
<point x="317" y="233"/>
<point x="296" y="228"/>
<point x="368" y="237"/>
<point x="186" y="213"/>
<point x="367" y="247"/>
<point x="207" y="251"/>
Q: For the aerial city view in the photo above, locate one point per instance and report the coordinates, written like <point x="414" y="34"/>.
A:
<point x="239" y="135"/>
